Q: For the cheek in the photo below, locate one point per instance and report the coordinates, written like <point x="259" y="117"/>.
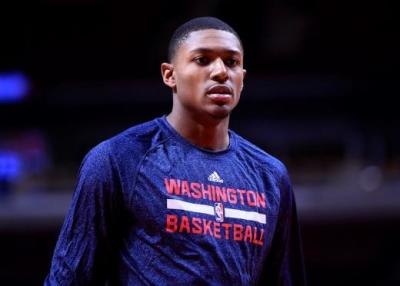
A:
<point x="188" y="82"/>
<point x="239" y="83"/>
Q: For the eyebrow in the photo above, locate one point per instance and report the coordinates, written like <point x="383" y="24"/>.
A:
<point x="208" y="50"/>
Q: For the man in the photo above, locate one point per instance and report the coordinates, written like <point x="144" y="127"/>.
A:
<point x="182" y="200"/>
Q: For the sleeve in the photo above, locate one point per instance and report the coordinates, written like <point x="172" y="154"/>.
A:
<point x="284" y="264"/>
<point x="82" y="252"/>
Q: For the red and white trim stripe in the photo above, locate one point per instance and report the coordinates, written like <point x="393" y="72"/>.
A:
<point x="209" y="210"/>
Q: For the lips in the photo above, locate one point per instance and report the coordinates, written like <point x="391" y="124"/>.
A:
<point x="220" y="94"/>
<point x="219" y="89"/>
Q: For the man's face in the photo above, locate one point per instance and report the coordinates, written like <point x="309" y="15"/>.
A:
<point x="208" y="73"/>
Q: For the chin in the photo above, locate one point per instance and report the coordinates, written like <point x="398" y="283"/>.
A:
<point x="220" y="113"/>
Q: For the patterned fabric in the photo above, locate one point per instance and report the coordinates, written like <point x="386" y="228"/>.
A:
<point x="150" y="208"/>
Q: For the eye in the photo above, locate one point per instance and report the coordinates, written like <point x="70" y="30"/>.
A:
<point x="231" y="62"/>
<point x="202" y="60"/>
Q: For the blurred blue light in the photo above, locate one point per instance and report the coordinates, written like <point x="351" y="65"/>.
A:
<point x="14" y="87"/>
<point x="10" y="165"/>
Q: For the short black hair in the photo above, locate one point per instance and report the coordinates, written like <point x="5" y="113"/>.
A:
<point x="196" y="24"/>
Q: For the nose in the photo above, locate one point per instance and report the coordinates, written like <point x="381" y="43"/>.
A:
<point x="219" y="72"/>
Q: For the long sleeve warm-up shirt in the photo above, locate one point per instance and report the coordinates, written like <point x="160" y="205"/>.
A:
<point x="150" y="208"/>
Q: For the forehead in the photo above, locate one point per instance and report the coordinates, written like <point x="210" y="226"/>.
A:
<point x="213" y="40"/>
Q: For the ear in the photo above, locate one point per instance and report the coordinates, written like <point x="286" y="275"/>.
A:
<point x="167" y="73"/>
<point x="244" y="75"/>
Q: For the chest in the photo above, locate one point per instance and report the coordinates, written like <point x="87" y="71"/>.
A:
<point x="218" y="200"/>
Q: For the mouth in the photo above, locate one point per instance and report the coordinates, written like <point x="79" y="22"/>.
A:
<point x="220" y="93"/>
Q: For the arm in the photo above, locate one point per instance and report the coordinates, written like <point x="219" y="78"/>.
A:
<point x="284" y="264"/>
<point x="84" y="244"/>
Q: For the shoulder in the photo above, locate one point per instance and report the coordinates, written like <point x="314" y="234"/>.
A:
<point x="129" y="145"/>
<point x="257" y="156"/>
<point x="268" y="167"/>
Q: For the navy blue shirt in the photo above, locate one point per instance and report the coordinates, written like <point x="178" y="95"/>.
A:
<point x="150" y="208"/>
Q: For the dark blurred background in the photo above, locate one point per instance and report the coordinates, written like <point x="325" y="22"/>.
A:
<point x="320" y="95"/>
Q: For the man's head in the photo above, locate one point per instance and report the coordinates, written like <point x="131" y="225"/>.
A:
<point x="205" y="71"/>
<point x="196" y="24"/>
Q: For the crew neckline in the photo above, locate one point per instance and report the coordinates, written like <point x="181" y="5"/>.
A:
<point x="232" y="142"/>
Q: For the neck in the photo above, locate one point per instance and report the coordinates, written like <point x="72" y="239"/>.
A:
<point x="211" y="134"/>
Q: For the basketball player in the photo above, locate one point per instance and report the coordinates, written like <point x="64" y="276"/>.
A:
<point x="182" y="199"/>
